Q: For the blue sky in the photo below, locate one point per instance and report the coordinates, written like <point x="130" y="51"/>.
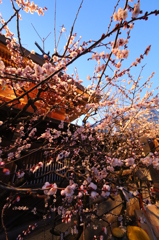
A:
<point x="92" y="21"/>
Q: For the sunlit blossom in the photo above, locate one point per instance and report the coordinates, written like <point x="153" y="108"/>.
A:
<point x="121" y="14"/>
<point x="136" y="10"/>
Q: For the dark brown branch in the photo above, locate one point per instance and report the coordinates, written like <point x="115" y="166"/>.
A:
<point x="16" y="78"/>
<point x="9" y="20"/>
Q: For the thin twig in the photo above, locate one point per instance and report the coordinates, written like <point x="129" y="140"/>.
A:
<point x="2" y="214"/>
<point x="18" y="32"/>
<point x="72" y="29"/>
<point x="111" y="20"/>
<point x="105" y="67"/>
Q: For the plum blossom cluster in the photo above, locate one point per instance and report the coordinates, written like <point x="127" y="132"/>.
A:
<point x="151" y="159"/>
<point x="36" y="167"/>
<point x="24" y="208"/>
<point x="121" y="14"/>
<point x="50" y="189"/>
<point x="69" y="191"/>
<point x="136" y="10"/>
<point x="105" y="191"/>
<point x="120" y="54"/>
<point x="32" y="7"/>
<point x="27" y="231"/>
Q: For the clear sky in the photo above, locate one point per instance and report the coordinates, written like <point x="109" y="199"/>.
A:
<point x="92" y="21"/>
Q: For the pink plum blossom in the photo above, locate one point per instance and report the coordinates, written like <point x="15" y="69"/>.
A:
<point x="129" y="161"/>
<point x="136" y="10"/>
